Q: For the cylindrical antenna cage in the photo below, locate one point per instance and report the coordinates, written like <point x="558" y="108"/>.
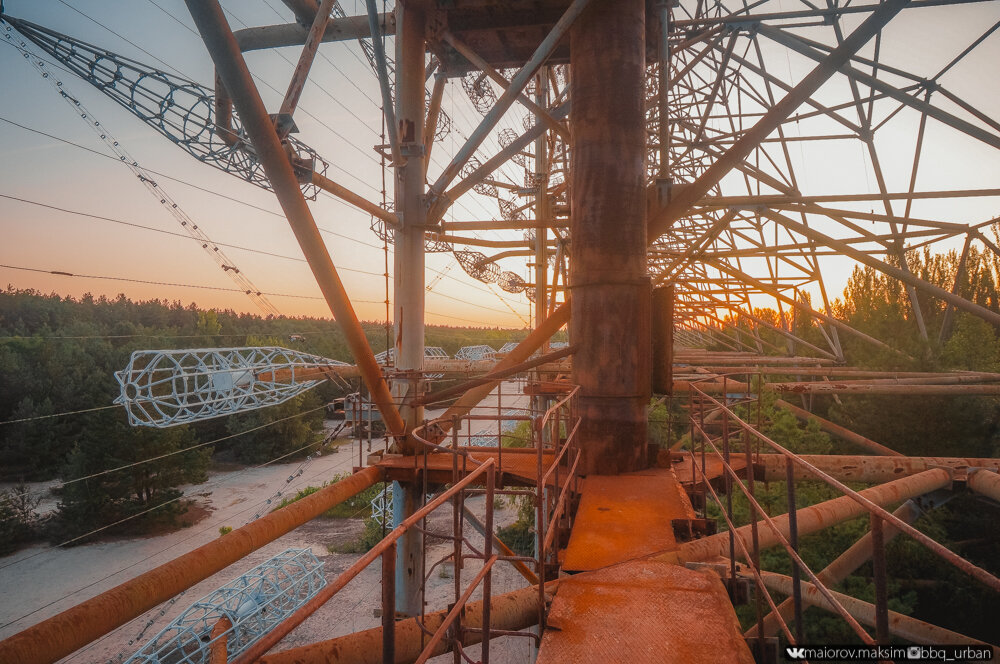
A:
<point x="163" y="388"/>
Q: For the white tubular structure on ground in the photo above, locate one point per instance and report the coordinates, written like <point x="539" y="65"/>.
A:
<point x="253" y="604"/>
<point x="163" y="388"/>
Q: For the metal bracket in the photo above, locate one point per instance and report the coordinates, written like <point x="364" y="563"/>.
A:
<point x="284" y="123"/>
<point x="412" y="149"/>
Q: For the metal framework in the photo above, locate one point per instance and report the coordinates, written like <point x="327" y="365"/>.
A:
<point x="714" y="148"/>
<point x="163" y="388"/>
<point x="247" y="608"/>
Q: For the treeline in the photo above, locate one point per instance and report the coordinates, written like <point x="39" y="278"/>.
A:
<point x="58" y="355"/>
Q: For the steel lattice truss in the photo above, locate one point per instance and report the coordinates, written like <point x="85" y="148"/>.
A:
<point x="181" y="110"/>
<point x="479" y="352"/>
<point x="770" y="117"/>
<point x="774" y="213"/>
<point x="162" y="388"/>
<point x="252" y="603"/>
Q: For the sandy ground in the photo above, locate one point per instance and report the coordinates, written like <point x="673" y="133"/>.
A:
<point x="40" y="581"/>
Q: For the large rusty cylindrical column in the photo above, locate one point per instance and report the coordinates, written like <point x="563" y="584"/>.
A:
<point x="610" y="289"/>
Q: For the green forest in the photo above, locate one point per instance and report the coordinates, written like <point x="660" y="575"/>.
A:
<point x="58" y="355"/>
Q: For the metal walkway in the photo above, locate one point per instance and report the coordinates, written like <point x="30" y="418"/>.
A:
<point x="621" y="607"/>
<point x="624" y="517"/>
<point x="643" y="611"/>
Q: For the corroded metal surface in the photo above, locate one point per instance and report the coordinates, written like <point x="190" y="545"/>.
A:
<point x="511" y="611"/>
<point x="608" y="266"/>
<point x="643" y="611"/>
<point x="624" y="517"/>
<point x="517" y="466"/>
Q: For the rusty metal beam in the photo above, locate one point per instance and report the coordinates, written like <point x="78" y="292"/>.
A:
<point x="863" y="468"/>
<point x="814" y="518"/>
<point x="294" y="34"/>
<point x="493" y="376"/>
<point x="900" y="625"/>
<point x="775" y="293"/>
<point x="842" y="566"/>
<point x="301" y="73"/>
<point x="345" y="194"/>
<point x="901" y="274"/>
<point x="521" y="352"/>
<point x="505" y="550"/>
<point x="513" y="611"/>
<point x="899" y="389"/>
<point x="680" y="204"/>
<point x="495" y="76"/>
<point x="75" y="627"/>
<point x="232" y="69"/>
<point x="985" y="482"/>
<point x="837" y="430"/>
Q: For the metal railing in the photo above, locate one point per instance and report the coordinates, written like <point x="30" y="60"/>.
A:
<point x="552" y="434"/>
<point x="724" y="448"/>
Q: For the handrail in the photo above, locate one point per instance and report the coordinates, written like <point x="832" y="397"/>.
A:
<point x="942" y="552"/>
<point x="293" y="621"/>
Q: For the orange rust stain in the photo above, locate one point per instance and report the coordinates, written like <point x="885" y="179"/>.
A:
<point x="622" y="517"/>
<point x="643" y="611"/>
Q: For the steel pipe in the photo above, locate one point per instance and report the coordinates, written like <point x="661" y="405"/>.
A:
<point x="985" y="482"/>
<point x="886" y="389"/>
<point x="868" y="469"/>
<point x="842" y="566"/>
<point x="902" y="626"/>
<point x="232" y="69"/>
<point x="510" y="612"/>
<point x="294" y="34"/>
<point x="837" y="430"/>
<point x="75" y="627"/>
<point x="815" y="518"/>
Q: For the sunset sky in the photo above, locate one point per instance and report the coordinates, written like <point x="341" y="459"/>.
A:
<point x="339" y="116"/>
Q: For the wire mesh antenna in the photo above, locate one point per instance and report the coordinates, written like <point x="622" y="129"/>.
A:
<point x="145" y="177"/>
<point x="254" y="604"/>
<point x="182" y="110"/>
<point x="164" y="388"/>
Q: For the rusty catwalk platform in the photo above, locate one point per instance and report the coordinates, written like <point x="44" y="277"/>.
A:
<point x="617" y="605"/>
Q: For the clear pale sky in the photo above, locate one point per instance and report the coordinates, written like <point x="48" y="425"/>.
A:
<point x="342" y="97"/>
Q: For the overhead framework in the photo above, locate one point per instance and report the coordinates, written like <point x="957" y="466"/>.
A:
<point x="685" y="165"/>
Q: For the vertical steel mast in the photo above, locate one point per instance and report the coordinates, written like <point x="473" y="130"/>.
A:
<point x="408" y="279"/>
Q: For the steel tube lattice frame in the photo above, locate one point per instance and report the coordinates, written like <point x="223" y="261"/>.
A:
<point x="689" y="196"/>
<point x="841" y="567"/>
<point x="509" y="96"/>
<point x="232" y="70"/>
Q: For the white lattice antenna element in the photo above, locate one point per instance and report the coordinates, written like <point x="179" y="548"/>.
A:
<point x="254" y="603"/>
<point x="163" y="388"/>
<point x="481" y="352"/>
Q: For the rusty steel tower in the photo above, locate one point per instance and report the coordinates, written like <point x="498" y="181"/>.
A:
<point x="675" y="183"/>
